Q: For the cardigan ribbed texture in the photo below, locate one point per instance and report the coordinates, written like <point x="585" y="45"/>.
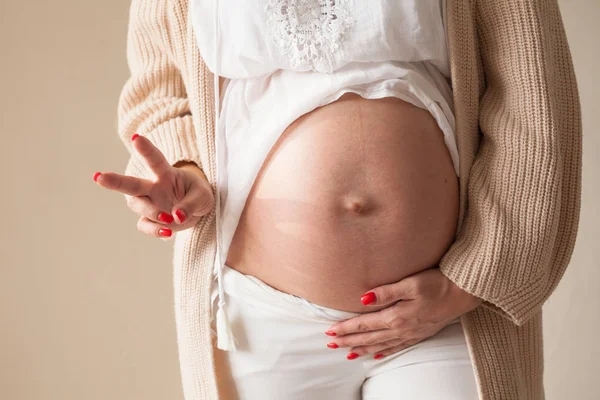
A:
<point x="519" y="137"/>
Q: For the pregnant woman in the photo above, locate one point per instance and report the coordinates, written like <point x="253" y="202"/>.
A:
<point x="369" y="199"/>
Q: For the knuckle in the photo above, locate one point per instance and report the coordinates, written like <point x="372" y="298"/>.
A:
<point x="388" y="320"/>
<point x="399" y="322"/>
<point x="417" y="287"/>
<point x="396" y="348"/>
<point x="385" y="350"/>
<point x="135" y="185"/>
<point x="388" y="323"/>
<point x="370" y="349"/>
<point x="396" y="322"/>
<point x="148" y="227"/>
<point x="130" y="201"/>
<point x="392" y="320"/>
<point x="362" y="327"/>
<point x="204" y="194"/>
<point x="383" y="295"/>
<point x="210" y="201"/>
<point x="369" y="341"/>
<point x="383" y="345"/>
<point x="205" y="204"/>
<point x="118" y="183"/>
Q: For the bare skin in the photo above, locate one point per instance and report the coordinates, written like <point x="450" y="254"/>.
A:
<point x="354" y="195"/>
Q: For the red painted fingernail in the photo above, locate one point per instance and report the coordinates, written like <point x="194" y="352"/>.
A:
<point x="351" y="356"/>
<point x="181" y="215"/>
<point x="165" y="232"/>
<point x="332" y="345"/>
<point x="96" y="175"/>
<point x="368" y="298"/>
<point x="166" y="218"/>
<point x="135" y="135"/>
<point x="378" y="356"/>
<point x="330" y="333"/>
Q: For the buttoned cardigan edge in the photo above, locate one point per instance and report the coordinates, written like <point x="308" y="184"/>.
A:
<point x="519" y="137"/>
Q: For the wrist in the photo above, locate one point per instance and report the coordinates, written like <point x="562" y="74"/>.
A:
<point x="192" y="166"/>
<point x="473" y="301"/>
<point x="468" y="300"/>
<point x="185" y="164"/>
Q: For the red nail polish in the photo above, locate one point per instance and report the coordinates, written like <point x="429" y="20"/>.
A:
<point x="181" y="215"/>
<point x="96" y="175"/>
<point x="351" y="356"/>
<point x="165" y="232"/>
<point x="332" y="345"/>
<point x="330" y="333"/>
<point x="135" y="135"/>
<point x="378" y="356"/>
<point x="166" y="218"/>
<point x="368" y="298"/>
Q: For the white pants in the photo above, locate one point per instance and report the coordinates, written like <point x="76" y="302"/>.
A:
<point x="282" y="354"/>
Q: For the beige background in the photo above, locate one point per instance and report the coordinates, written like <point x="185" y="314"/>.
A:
<point x="85" y="299"/>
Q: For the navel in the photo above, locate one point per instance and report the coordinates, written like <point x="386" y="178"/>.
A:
<point x="355" y="206"/>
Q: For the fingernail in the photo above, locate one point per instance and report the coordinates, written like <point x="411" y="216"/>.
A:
<point x="330" y="333"/>
<point x="351" y="356"/>
<point x="165" y="232"/>
<point x="96" y="175"/>
<point x="180" y="214"/>
<point x="332" y="345"/>
<point x="368" y="298"/>
<point x="135" y="135"/>
<point x="166" y="218"/>
<point x="378" y="356"/>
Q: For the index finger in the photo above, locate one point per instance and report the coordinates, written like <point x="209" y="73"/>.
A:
<point x="154" y="158"/>
<point x="361" y="323"/>
<point x="130" y="185"/>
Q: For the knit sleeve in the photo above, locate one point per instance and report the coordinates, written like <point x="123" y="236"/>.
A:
<point x="153" y="101"/>
<point x="524" y="190"/>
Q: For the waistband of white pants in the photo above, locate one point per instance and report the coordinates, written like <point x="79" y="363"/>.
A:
<point x="254" y="291"/>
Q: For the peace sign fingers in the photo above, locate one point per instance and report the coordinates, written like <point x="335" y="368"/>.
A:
<point x="154" y="158"/>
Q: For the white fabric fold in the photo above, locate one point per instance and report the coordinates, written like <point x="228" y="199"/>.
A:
<point x="225" y="339"/>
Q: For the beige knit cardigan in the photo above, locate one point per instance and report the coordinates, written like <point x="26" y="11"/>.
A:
<point x="519" y="136"/>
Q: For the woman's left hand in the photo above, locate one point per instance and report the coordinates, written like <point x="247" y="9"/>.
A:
<point x="425" y="303"/>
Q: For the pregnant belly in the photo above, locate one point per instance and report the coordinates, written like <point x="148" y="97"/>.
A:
<point x="355" y="194"/>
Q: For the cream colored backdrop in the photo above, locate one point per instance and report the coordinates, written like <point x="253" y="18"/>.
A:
<point x="85" y="299"/>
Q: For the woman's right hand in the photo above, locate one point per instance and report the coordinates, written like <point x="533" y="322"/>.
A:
<point x="174" y="201"/>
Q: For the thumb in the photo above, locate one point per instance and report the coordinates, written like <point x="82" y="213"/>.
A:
<point x="385" y="294"/>
<point x="197" y="202"/>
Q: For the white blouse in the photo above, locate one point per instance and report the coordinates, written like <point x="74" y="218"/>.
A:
<point x="283" y="58"/>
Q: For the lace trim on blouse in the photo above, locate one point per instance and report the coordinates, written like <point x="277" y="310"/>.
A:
<point x="309" y="32"/>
